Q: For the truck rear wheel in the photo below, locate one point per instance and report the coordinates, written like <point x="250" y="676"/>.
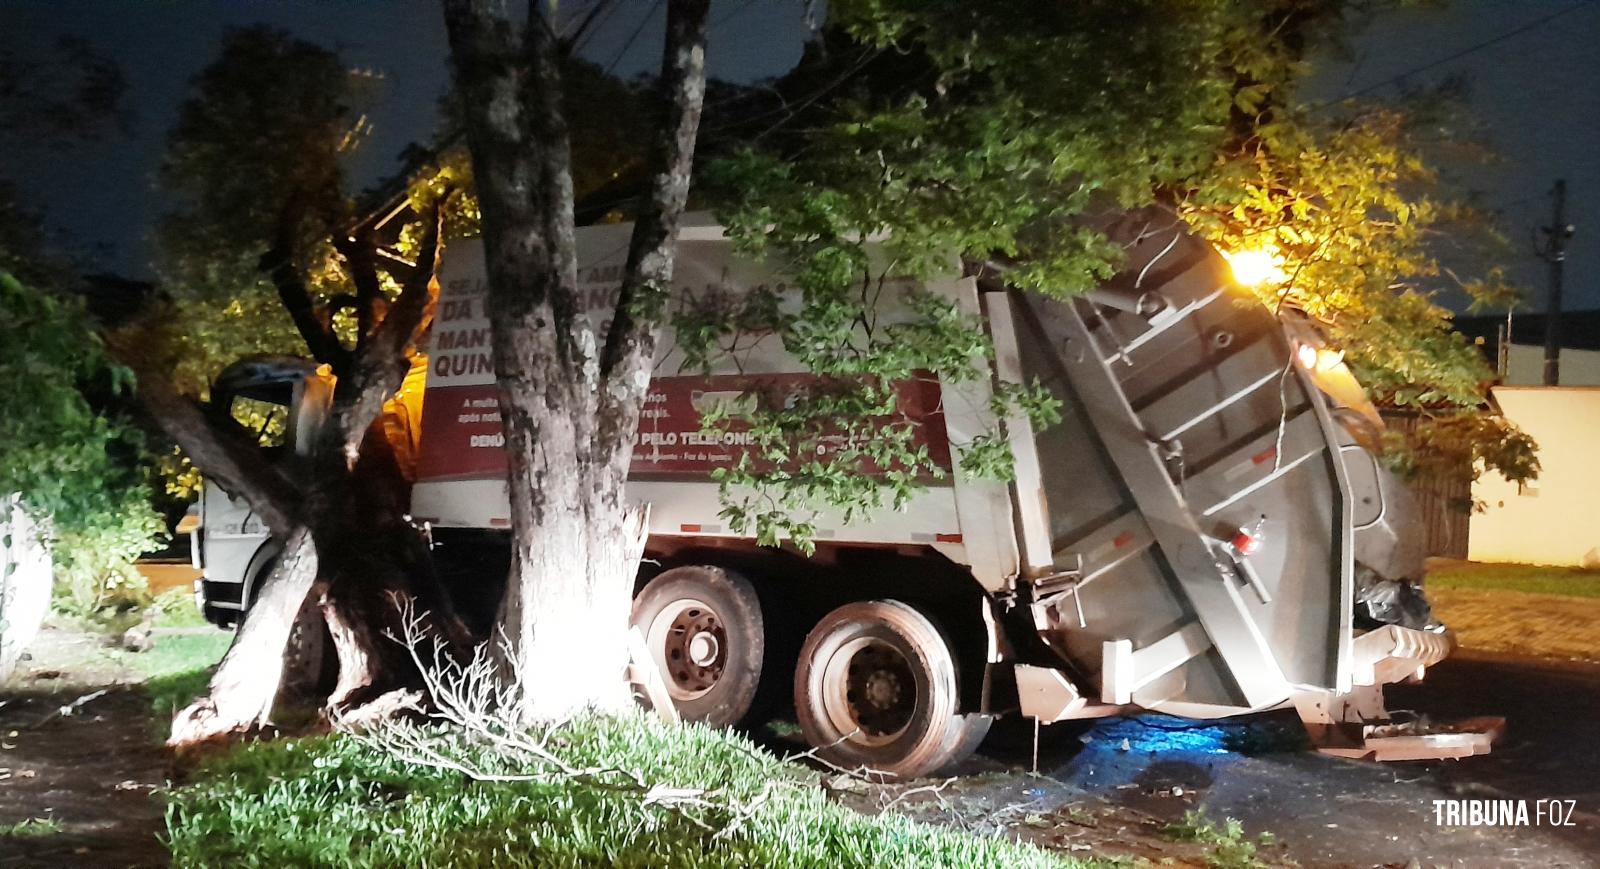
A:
<point x="876" y="688"/>
<point x="703" y="627"/>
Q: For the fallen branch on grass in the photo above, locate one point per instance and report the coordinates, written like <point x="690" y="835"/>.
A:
<point x="469" y="708"/>
<point x="936" y="789"/>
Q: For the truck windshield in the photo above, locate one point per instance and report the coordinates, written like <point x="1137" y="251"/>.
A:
<point x="268" y="420"/>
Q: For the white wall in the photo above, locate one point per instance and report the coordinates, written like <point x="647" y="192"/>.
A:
<point x="1557" y="519"/>
<point x="25" y="573"/>
<point x="1578" y="367"/>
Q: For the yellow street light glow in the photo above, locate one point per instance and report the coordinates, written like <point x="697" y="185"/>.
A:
<point x="1307" y="355"/>
<point x="1329" y="358"/>
<point x="1256" y="267"/>
<point x="1322" y="359"/>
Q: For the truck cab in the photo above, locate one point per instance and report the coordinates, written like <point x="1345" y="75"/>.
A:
<point x="279" y="399"/>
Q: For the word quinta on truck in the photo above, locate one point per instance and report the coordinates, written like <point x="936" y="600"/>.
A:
<point x="1205" y="533"/>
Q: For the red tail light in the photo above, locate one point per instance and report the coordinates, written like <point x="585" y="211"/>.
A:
<point x="1247" y="539"/>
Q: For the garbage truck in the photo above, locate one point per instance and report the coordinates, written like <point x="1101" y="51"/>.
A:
<point x="1207" y="531"/>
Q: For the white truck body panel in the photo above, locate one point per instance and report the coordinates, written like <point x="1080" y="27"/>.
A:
<point x="967" y="520"/>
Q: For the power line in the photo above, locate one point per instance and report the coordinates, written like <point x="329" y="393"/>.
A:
<point x="633" y="36"/>
<point x="1501" y="207"/>
<point x="722" y="19"/>
<point x="790" y="110"/>
<point x="595" y="24"/>
<point x="731" y="14"/>
<point x="1473" y="49"/>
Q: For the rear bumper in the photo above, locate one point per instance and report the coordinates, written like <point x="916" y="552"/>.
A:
<point x="1356" y="724"/>
<point x="1394" y="654"/>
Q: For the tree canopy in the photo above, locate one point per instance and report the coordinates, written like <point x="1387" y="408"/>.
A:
<point x="77" y="469"/>
<point x="999" y="133"/>
<point x="256" y="160"/>
<point x="67" y="446"/>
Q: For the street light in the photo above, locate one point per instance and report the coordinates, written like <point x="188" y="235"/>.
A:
<point x="1256" y="267"/>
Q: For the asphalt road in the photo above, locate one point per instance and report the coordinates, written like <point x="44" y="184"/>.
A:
<point x="1329" y="812"/>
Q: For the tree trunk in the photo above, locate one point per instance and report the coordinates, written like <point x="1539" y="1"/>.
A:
<point x="569" y="402"/>
<point x="346" y="503"/>
<point x="242" y="692"/>
<point x="566" y="605"/>
<point x="376" y="565"/>
<point x="357" y="589"/>
<point x="374" y="588"/>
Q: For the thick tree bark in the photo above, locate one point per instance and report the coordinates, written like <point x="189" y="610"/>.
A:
<point x="356" y="555"/>
<point x="342" y="515"/>
<point x="569" y="402"/>
<point x="245" y="687"/>
<point x="226" y="455"/>
<point x="373" y="559"/>
<point x="652" y="250"/>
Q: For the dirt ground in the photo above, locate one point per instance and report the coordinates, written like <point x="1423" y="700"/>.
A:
<point x="92" y="770"/>
<point x="1119" y="787"/>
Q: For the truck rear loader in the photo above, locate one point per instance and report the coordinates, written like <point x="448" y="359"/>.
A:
<point x="1207" y="532"/>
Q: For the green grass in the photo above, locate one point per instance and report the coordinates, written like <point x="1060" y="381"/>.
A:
<point x="176" y="609"/>
<point x="30" y="828"/>
<point x="1229" y="847"/>
<point x="177" y="668"/>
<point x="178" y="654"/>
<point x="170" y="609"/>
<point x="1525" y="578"/>
<point x="334" y="801"/>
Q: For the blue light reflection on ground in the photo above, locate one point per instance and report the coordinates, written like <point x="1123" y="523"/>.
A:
<point x="1149" y="739"/>
<point x="1159" y="733"/>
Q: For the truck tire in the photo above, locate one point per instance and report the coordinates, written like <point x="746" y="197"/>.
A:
<point x="965" y="739"/>
<point x="876" y="688"/>
<point x="704" y="629"/>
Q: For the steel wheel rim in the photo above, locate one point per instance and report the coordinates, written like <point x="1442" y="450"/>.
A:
<point x="689" y="642"/>
<point x="869" y="691"/>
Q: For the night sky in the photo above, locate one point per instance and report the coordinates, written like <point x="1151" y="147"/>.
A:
<point x="102" y="193"/>
<point x="1533" y="91"/>
<point x="1535" y="94"/>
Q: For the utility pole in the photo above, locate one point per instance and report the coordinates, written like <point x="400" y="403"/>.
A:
<point x="1554" y="252"/>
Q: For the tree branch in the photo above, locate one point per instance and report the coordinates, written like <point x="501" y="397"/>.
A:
<point x="506" y="86"/>
<point x="546" y="120"/>
<point x="380" y="364"/>
<point x="589" y="20"/>
<point x="518" y="136"/>
<point x="412" y="311"/>
<point x="278" y="264"/>
<point x="647" y="279"/>
<point x="361" y="262"/>
<point x="226" y="457"/>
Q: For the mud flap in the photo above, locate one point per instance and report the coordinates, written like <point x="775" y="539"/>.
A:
<point x="1355" y="724"/>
